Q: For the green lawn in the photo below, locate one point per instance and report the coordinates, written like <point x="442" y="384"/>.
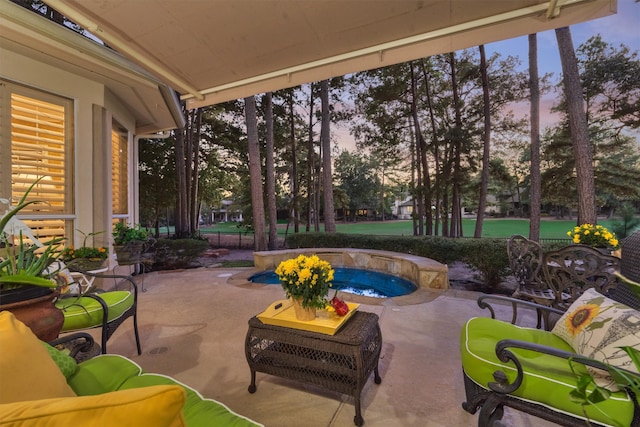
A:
<point x="549" y="229"/>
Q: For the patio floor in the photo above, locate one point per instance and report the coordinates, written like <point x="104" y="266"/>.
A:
<point x="193" y="323"/>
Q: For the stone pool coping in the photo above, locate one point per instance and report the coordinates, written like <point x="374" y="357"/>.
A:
<point x="431" y="276"/>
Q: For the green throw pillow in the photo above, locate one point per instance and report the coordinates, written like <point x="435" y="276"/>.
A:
<point x="67" y="364"/>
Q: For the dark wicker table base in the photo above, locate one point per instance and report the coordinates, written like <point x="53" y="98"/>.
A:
<point x="342" y="362"/>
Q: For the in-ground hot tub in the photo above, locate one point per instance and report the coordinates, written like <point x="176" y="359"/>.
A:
<point x="371" y="283"/>
<point x="424" y="272"/>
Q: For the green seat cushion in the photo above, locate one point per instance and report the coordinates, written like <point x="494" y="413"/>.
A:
<point x="103" y="374"/>
<point x="84" y="312"/>
<point x="548" y="380"/>
<point x="198" y="411"/>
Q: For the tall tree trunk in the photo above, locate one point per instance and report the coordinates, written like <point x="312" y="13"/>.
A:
<point x="255" y="174"/>
<point x="420" y="154"/>
<point x="294" y="168"/>
<point x="310" y="162"/>
<point x="535" y="197"/>
<point x="456" y="225"/>
<point x="181" y="226"/>
<point x="435" y="218"/>
<point x="484" y="180"/>
<point x="327" y="176"/>
<point x="582" y="150"/>
<point x="195" y="172"/>
<point x="188" y="156"/>
<point x="271" y="175"/>
<point x="317" y="189"/>
<point x="415" y="182"/>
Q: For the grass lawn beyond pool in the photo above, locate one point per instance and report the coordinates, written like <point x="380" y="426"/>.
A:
<point x="500" y="228"/>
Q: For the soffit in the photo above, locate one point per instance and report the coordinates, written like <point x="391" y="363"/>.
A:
<point x="144" y="96"/>
<point x="214" y="51"/>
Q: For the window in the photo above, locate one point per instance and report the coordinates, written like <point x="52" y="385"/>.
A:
<point x="120" y="171"/>
<point x="39" y="144"/>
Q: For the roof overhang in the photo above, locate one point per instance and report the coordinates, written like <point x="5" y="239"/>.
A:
<point x="154" y="105"/>
<point x="215" y="51"/>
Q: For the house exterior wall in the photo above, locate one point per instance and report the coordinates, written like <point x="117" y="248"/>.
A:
<point x="91" y="135"/>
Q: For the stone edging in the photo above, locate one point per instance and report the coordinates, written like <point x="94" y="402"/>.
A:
<point x="425" y="272"/>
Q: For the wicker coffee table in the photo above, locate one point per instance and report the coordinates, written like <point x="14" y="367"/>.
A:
<point x="340" y="362"/>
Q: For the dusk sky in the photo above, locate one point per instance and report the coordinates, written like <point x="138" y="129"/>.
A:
<point x="620" y="28"/>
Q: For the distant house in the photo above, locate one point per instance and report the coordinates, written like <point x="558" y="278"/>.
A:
<point x="404" y="208"/>
<point x="228" y="211"/>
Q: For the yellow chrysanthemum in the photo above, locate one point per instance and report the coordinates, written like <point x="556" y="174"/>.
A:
<point x="307" y="278"/>
<point x="581" y="317"/>
<point x="593" y="235"/>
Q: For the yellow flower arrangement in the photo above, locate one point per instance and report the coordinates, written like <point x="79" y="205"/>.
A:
<point x="593" y="235"/>
<point x="307" y="279"/>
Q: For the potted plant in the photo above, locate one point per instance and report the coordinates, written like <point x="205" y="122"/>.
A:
<point x="85" y="258"/>
<point x="28" y="283"/>
<point x="306" y="280"/>
<point x="129" y="242"/>
<point x="596" y="236"/>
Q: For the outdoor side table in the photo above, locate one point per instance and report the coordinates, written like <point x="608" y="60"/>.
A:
<point x="340" y="362"/>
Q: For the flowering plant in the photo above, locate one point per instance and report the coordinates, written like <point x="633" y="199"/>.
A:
<point x="593" y="235"/>
<point x="70" y="253"/>
<point x="307" y="279"/>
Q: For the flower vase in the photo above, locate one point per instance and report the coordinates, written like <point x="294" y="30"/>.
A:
<point x="304" y="314"/>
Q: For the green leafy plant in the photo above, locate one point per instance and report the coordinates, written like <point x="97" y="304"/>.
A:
<point x="22" y="264"/>
<point x="587" y="391"/>
<point x="70" y="253"/>
<point x="123" y="234"/>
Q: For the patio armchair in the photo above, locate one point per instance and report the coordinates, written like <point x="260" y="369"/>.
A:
<point x="556" y="278"/>
<point x="100" y="309"/>
<point x="108" y="390"/>
<point x="529" y="369"/>
<point x="525" y="261"/>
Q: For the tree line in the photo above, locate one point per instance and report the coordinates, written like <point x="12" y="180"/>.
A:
<point x="438" y="129"/>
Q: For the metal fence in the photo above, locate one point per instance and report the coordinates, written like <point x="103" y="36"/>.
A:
<point x="237" y="240"/>
<point x="246" y="240"/>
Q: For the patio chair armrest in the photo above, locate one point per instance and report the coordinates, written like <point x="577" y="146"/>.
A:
<point x="504" y="354"/>
<point x="119" y="280"/>
<point x="81" y="345"/>
<point x="484" y="302"/>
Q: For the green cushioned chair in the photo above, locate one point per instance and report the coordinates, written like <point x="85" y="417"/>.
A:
<point x="111" y="373"/>
<point x="543" y="379"/>
<point x="106" y="310"/>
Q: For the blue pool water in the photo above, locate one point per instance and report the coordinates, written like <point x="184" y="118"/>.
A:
<point x="356" y="281"/>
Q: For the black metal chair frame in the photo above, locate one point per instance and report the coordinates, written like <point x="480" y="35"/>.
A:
<point x="492" y="399"/>
<point x="81" y="345"/>
<point x="109" y="327"/>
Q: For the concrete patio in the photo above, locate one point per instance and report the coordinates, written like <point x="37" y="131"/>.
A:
<point x="193" y="324"/>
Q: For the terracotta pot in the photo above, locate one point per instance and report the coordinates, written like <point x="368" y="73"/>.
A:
<point x="302" y="313"/>
<point x="39" y="314"/>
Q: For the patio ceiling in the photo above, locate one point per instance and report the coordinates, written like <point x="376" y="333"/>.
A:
<point x="215" y="51"/>
<point x="152" y="103"/>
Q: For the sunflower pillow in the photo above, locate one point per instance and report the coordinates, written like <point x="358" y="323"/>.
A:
<point x="596" y="327"/>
